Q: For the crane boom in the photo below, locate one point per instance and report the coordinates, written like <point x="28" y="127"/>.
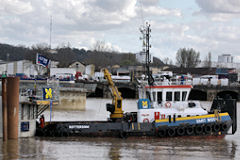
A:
<point x="116" y="107"/>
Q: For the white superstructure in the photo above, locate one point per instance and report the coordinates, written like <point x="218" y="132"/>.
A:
<point x="168" y="100"/>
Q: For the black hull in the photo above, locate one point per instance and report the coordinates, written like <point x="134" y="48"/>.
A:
<point x="124" y="129"/>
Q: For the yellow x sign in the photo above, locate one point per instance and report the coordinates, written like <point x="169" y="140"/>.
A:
<point x="144" y="103"/>
<point x="48" y="92"/>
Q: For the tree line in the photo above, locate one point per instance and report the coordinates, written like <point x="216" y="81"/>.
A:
<point x="100" y="55"/>
<point x="66" y="55"/>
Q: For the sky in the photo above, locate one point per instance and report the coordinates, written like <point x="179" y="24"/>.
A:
<point x="204" y="25"/>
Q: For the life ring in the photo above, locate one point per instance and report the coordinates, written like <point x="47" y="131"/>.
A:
<point x="168" y="105"/>
<point x="145" y="120"/>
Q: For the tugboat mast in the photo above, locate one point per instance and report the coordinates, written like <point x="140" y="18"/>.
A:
<point x="146" y="36"/>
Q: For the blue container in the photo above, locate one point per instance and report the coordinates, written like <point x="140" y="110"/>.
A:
<point x="24" y="126"/>
<point x="144" y="104"/>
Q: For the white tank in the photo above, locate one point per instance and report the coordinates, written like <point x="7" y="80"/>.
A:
<point x="196" y="81"/>
<point x="214" y="81"/>
<point x="224" y="82"/>
<point x="204" y="81"/>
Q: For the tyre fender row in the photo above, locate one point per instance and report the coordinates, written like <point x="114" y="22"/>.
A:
<point x="188" y="130"/>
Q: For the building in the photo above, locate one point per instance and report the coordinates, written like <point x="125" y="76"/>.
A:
<point x="225" y="58"/>
<point x="229" y="73"/>
<point x="54" y="64"/>
<point x="79" y="67"/>
<point x="141" y="57"/>
<point x="63" y="73"/>
<point x="224" y="61"/>
<point x="90" y="70"/>
<point x="22" y="67"/>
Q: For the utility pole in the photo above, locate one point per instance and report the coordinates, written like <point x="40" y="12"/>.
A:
<point x="145" y="30"/>
<point x="50" y="38"/>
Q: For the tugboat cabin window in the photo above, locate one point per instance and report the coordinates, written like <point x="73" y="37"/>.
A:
<point x="154" y="96"/>
<point x="169" y="96"/>
<point x="176" y="96"/>
<point x="148" y="95"/>
<point x="159" y="97"/>
<point x="184" y="95"/>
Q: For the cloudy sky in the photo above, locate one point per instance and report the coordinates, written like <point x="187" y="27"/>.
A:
<point x="205" y="25"/>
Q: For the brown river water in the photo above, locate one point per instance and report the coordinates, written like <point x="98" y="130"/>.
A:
<point x="74" y="148"/>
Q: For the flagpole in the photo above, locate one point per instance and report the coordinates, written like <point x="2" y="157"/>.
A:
<point x="50" y="110"/>
<point x="37" y="58"/>
<point x="37" y="64"/>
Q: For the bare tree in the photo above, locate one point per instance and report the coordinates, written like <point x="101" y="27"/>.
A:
<point x="166" y="60"/>
<point x="101" y="46"/>
<point x="64" y="45"/>
<point x="187" y="58"/>
<point x="40" y="46"/>
<point x="208" y="60"/>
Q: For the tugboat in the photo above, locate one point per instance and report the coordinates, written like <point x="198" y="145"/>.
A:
<point x="163" y="111"/>
<point x="167" y="107"/>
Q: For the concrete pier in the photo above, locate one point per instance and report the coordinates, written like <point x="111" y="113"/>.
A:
<point x="71" y="99"/>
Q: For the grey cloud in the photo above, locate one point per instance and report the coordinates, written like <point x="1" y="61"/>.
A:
<point x="82" y="22"/>
<point x="149" y="2"/>
<point x="15" y="7"/>
<point x="219" y="6"/>
<point x="111" y="5"/>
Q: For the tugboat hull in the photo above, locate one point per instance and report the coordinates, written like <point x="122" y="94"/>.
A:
<point x="188" y="126"/>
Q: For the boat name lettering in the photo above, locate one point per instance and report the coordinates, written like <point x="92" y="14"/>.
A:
<point x="200" y="120"/>
<point x="211" y="119"/>
<point x="144" y="115"/>
<point x="78" y="126"/>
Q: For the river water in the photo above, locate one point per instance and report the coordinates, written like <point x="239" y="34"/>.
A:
<point x="75" y="148"/>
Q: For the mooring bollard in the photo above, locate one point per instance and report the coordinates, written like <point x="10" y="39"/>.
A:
<point x="12" y="107"/>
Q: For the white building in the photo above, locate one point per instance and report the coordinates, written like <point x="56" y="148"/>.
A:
<point x="224" y="61"/>
<point x="225" y="58"/>
<point x="79" y="67"/>
<point x="141" y="57"/>
<point x="90" y="70"/>
<point x="62" y="72"/>
<point x="20" y="67"/>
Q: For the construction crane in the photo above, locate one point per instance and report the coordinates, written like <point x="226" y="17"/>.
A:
<point x="116" y="107"/>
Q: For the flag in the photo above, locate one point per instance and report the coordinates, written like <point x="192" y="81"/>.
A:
<point x="41" y="60"/>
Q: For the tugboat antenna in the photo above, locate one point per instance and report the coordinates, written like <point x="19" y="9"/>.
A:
<point x="147" y="48"/>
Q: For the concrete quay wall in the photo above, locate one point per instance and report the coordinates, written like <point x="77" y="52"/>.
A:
<point x="71" y="99"/>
